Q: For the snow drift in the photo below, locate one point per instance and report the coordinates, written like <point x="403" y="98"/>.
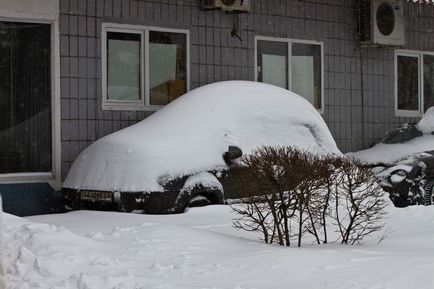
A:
<point x="191" y="134"/>
<point x="201" y="249"/>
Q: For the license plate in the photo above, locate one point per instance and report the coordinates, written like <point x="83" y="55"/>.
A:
<point x="95" y="196"/>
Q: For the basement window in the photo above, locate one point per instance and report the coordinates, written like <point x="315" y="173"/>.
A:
<point x="143" y="68"/>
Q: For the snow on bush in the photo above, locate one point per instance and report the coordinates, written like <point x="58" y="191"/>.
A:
<point x="292" y="193"/>
<point x="191" y="134"/>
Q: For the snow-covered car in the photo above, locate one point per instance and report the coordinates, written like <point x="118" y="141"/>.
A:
<point x="404" y="162"/>
<point x="410" y="180"/>
<point x="182" y="154"/>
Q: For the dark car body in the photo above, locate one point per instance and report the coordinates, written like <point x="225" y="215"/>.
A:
<point x="172" y="200"/>
<point x="410" y="180"/>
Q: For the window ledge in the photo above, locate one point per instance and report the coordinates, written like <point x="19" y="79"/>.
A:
<point x="19" y="178"/>
<point x="407" y="113"/>
<point x="131" y="107"/>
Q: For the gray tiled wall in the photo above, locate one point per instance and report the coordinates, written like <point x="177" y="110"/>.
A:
<point x="359" y="101"/>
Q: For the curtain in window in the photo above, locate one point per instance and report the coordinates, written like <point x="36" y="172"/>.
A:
<point x="167" y="66"/>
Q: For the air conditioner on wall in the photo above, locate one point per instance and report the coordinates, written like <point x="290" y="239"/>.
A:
<point x="381" y="23"/>
<point x="238" y="6"/>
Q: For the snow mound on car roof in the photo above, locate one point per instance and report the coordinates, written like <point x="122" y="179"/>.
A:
<point x="192" y="133"/>
<point x="391" y="153"/>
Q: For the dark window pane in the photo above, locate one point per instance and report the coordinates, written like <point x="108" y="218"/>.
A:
<point x="428" y="81"/>
<point x="306" y="72"/>
<point x="167" y="66"/>
<point x="123" y="66"/>
<point x="408" y="83"/>
<point x="272" y="60"/>
<point x="25" y="97"/>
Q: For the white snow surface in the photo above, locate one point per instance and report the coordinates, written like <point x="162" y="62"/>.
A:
<point x="205" y="179"/>
<point x="201" y="249"/>
<point x="426" y="124"/>
<point x="391" y="153"/>
<point x="191" y="134"/>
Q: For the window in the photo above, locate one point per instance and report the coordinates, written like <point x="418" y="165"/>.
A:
<point x="25" y="98"/>
<point x="428" y="81"/>
<point x="143" y="67"/>
<point x="293" y="65"/>
<point x="167" y="67"/>
<point x="123" y="66"/>
<point x="414" y="88"/>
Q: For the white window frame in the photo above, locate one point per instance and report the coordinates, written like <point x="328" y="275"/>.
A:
<point x="290" y="41"/>
<point x="420" y="56"/>
<point x="52" y="177"/>
<point x="144" y="103"/>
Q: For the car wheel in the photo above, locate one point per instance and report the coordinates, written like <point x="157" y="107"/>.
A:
<point x="201" y="196"/>
<point x="205" y="198"/>
<point x="199" y="201"/>
<point x="427" y="198"/>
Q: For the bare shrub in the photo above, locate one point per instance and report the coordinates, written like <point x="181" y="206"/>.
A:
<point x="278" y="186"/>
<point x="319" y="206"/>
<point x="359" y="202"/>
<point x="266" y="187"/>
<point x="290" y="193"/>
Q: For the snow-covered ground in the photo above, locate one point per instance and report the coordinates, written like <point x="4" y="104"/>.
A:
<point x="201" y="249"/>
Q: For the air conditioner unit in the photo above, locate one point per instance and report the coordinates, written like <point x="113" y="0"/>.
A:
<point x="210" y="4"/>
<point x="235" y="6"/>
<point x="381" y="23"/>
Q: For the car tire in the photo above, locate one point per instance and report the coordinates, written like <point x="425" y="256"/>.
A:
<point x="427" y="198"/>
<point x="199" y="201"/>
<point x="198" y="197"/>
<point x="209" y="196"/>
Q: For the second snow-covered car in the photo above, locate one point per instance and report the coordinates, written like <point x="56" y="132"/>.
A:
<point x="182" y="154"/>
<point x="404" y="162"/>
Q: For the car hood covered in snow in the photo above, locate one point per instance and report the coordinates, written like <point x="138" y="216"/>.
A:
<point x="404" y="151"/>
<point x="192" y="133"/>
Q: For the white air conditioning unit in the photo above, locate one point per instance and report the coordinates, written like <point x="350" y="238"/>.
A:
<point x="234" y="6"/>
<point x="381" y="23"/>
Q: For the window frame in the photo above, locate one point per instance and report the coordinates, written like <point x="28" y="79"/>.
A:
<point x="144" y="103"/>
<point x="421" y="82"/>
<point x="289" y="42"/>
<point x="52" y="177"/>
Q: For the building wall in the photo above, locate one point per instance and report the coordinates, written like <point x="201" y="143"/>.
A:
<point x="42" y="9"/>
<point x="359" y="83"/>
